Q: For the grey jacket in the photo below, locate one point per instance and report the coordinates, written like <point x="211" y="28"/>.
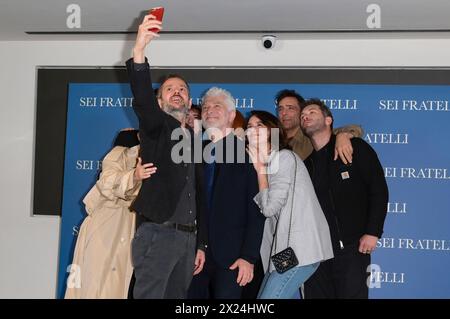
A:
<point x="310" y="235"/>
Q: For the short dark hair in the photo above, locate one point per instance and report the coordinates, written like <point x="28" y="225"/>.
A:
<point x="289" y="93"/>
<point x="271" y="121"/>
<point x="171" y="76"/>
<point x="196" y="108"/>
<point x="322" y="106"/>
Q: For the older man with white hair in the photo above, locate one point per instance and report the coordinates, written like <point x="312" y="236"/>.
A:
<point x="234" y="222"/>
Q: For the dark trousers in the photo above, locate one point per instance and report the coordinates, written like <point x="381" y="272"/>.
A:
<point x="251" y="290"/>
<point x="343" y="277"/>
<point x="215" y="282"/>
<point x="131" y="287"/>
<point x="163" y="260"/>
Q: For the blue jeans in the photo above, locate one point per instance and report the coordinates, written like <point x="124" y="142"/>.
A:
<point x="285" y="285"/>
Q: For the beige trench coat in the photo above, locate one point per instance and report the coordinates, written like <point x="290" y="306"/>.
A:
<point x="101" y="266"/>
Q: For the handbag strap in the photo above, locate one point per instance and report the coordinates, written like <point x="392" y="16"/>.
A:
<point x="290" y="218"/>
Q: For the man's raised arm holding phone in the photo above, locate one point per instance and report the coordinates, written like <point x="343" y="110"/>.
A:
<point x="170" y="241"/>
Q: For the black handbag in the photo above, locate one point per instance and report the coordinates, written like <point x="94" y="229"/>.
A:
<point x="285" y="259"/>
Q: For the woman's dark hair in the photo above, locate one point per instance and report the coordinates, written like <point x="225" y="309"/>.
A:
<point x="271" y="121"/>
<point x="196" y="108"/>
<point x="127" y="138"/>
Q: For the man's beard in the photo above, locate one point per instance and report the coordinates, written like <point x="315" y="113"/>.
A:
<point x="290" y="125"/>
<point x="311" y="130"/>
<point x="177" y="112"/>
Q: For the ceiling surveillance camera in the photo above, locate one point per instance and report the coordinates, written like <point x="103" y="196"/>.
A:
<point x="268" y="41"/>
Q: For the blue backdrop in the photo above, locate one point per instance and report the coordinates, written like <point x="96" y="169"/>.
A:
<point x="405" y="124"/>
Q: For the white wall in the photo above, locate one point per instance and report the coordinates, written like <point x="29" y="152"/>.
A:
<point x="29" y="245"/>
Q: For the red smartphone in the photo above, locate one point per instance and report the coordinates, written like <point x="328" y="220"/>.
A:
<point x="158" y="13"/>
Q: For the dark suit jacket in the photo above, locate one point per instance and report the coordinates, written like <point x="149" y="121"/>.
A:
<point x="160" y="193"/>
<point x="235" y="221"/>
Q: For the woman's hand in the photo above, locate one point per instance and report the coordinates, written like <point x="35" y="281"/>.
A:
<point x="259" y="158"/>
<point x="142" y="172"/>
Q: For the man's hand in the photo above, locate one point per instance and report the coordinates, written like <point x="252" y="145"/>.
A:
<point x="343" y="147"/>
<point x="199" y="261"/>
<point x="143" y="171"/>
<point x="245" y="271"/>
<point x="144" y="36"/>
<point x="367" y="244"/>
